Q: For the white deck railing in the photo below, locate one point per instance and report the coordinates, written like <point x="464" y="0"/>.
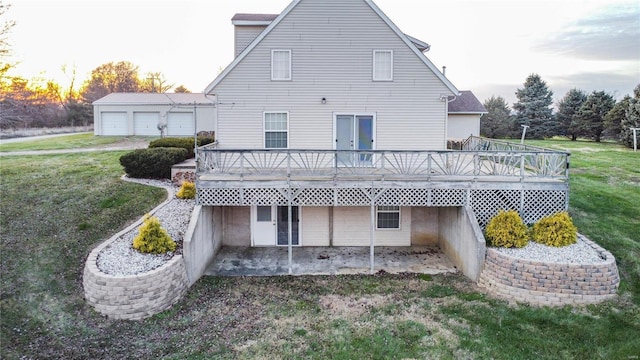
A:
<point x="387" y="164"/>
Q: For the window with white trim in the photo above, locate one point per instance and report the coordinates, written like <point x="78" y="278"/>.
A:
<point x="280" y="64"/>
<point x="388" y="217"/>
<point x="382" y="65"/>
<point x="276" y="130"/>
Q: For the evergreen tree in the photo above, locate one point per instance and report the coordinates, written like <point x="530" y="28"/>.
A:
<point x="614" y="118"/>
<point x="534" y="107"/>
<point x="631" y="119"/>
<point x="567" y="108"/>
<point x="496" y="123"/>
<point x="591" y="114"/>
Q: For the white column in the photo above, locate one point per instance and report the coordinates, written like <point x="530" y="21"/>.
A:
<point x="372" y="239"/>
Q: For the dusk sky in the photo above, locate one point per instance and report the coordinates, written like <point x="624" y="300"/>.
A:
<point x="488" y="47"/>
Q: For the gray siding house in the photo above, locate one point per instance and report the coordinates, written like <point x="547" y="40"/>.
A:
<point x="332" y="130"/>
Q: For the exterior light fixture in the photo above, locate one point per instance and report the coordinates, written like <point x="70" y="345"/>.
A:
<point x="324" y="100"/>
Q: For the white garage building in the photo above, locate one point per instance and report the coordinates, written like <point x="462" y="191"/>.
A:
<point x="123" y="114"/>
<point x="464" y="116"/>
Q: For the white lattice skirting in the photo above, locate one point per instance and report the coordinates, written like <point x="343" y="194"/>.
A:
<point x="532" y="204"/>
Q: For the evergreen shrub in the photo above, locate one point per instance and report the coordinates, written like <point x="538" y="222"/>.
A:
<point x="555" y="230"/>
<point x="174" y="142"/>
<point x="182" y="142"/>
<point x="152" y="238"/>
<point x="154" y="163"/>
<point x="506" y="229"/>
<point x="187" y="190"/>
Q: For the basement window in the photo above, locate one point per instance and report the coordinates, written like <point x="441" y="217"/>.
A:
<point x="388" y="217"/>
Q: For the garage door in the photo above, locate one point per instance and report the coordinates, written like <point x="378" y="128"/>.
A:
<point x="114" y="123"/>
<point x="146" y="123"/>
<point x="179" y="124"/>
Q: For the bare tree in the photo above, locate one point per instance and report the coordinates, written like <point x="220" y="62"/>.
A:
<point x="181" y="89"/>
<point x="5" y="28"/>
<point x="155" y="82"/>
<point x="111" y="77"/>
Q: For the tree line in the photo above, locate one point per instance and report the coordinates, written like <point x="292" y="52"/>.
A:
<point x="38" y="102"/>
<point x="592" y="116"/>
<point x="29" y="103"/>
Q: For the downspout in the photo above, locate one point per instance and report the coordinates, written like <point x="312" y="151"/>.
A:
<point x="445" y="99"/>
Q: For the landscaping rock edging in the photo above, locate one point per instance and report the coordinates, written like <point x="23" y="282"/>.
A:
<point x="134" y="297"/>
<point x="550" y="284"/>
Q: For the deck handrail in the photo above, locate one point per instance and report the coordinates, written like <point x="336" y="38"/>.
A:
<point x="481" y="143"/>
<point x="381" y="164"/>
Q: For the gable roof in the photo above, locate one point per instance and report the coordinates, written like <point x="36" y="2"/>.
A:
<point x="247" y="19"/>
<point x="416" y="48"/>
<point x="466" y="103"/>
<point x="153" y="99"/>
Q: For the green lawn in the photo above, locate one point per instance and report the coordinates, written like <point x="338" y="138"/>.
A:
<point x="74" y="141"/>
<point x="56" y="208"/>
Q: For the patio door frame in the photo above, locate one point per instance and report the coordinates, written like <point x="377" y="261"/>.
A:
<point x="354" y="137"/>
<point x="261" y="231"/>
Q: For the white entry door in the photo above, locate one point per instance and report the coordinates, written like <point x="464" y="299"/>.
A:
<point x="263" y="230"/>
<point x="270" y="225"/>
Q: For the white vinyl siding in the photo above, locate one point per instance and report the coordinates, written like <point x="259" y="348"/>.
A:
<point x="388" y="217"/>
<point x="352" y="227"/>
<point x="244" y="35"/>
<point x="333" y="43"/>
<point x="382" y="65"/>
<point x="276" y="130"/>
<point x="315" y="225"/>
<point x="461" y="126"/>
<point x="281" y="65"/>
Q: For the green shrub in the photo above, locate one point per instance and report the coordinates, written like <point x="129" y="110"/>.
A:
<point x="205" y="140"/>
<point x="506" y="229"/>
<point x="173" y="142"/>
<point x="182" y="142"/>
<point x="152" y="163"/>
<point x="152" y="238"/>
<point x="187" y="190"/>
<point x="555" y="230"/>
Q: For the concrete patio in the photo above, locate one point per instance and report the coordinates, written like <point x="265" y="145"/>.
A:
<point x="268" y="261"/>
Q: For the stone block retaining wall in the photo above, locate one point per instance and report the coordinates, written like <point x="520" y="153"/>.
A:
<point x="134" y="297"/>
<point x="540" y="283"/>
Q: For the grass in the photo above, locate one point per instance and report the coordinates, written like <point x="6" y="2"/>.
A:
<point x="74" y="141"/>
<point x="56" y="208"/>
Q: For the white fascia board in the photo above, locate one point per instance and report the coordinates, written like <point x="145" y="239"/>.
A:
<point x="250" y="22"/>
<point x="251" y="46"/>
<point x="420" y="55"/>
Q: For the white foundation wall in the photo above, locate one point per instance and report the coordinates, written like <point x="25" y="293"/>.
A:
<point x="315" y="226"/>
<point x="351" y="227"/>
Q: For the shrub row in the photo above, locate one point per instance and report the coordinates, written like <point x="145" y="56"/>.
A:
<point x="506" y="229"/>
<point x="156" y="161"/>
<point x="184" y="143"/>
<point x="153" y="163"/>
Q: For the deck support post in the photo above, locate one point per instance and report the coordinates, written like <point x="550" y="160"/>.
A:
<point x="372" y="236"/>
<point x="290" y="230"/>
